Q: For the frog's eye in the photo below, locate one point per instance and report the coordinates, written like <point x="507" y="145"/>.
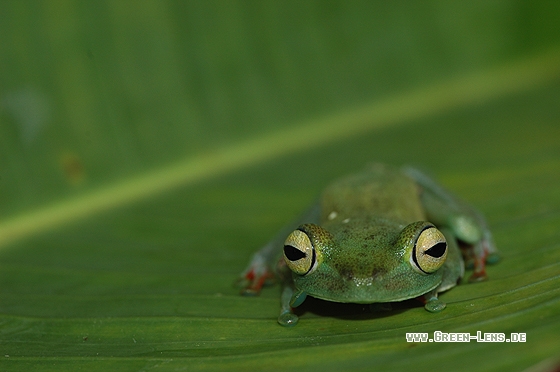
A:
<point x="430" y="250"/>
<point x="299" y="253"/>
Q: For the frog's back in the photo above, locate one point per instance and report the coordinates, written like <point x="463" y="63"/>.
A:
<point x="378" y="191"/>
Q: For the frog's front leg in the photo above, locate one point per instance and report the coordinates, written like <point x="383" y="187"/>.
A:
<point x="291" y="297"/>
<point x="258" y="273"/>
<point x="287" y="318"/>
<point x="467" y="225"/>
<point x="431" y="302"/>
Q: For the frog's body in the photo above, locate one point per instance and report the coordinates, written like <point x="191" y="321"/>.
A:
<point x="368" y="241"/>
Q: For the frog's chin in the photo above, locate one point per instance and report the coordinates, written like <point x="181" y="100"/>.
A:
<point x="368" y="299"/>
<point x="365" y="295"/>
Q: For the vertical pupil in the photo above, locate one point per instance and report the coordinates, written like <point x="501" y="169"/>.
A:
<point x="292" y="253"/>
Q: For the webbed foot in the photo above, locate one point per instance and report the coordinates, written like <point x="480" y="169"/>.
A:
<point x="483" y="253"/>
<point x="435" y="305"/>
<point x="478" y="277"/>
<point x="252" y="281"/>
<point x="431" y="302"/>
<point x="288" y="319"/>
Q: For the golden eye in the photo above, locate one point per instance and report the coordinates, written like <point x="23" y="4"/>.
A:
<point x="430" y="250"/>
<point x="299" y="253"/>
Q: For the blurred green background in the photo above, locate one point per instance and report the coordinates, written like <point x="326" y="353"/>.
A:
<point x="147" y="148"/>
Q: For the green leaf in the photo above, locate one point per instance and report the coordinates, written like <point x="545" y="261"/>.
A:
<point x="147" y="149"/>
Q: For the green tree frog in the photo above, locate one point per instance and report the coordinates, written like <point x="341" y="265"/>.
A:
<point x="379" y="236"/>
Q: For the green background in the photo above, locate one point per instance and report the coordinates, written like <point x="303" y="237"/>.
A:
<point x="147" y="148"/>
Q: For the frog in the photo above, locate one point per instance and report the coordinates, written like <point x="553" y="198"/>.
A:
<point x="375" y="237"/>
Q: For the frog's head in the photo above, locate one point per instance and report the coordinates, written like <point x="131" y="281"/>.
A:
<point x="366" y="263"/>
